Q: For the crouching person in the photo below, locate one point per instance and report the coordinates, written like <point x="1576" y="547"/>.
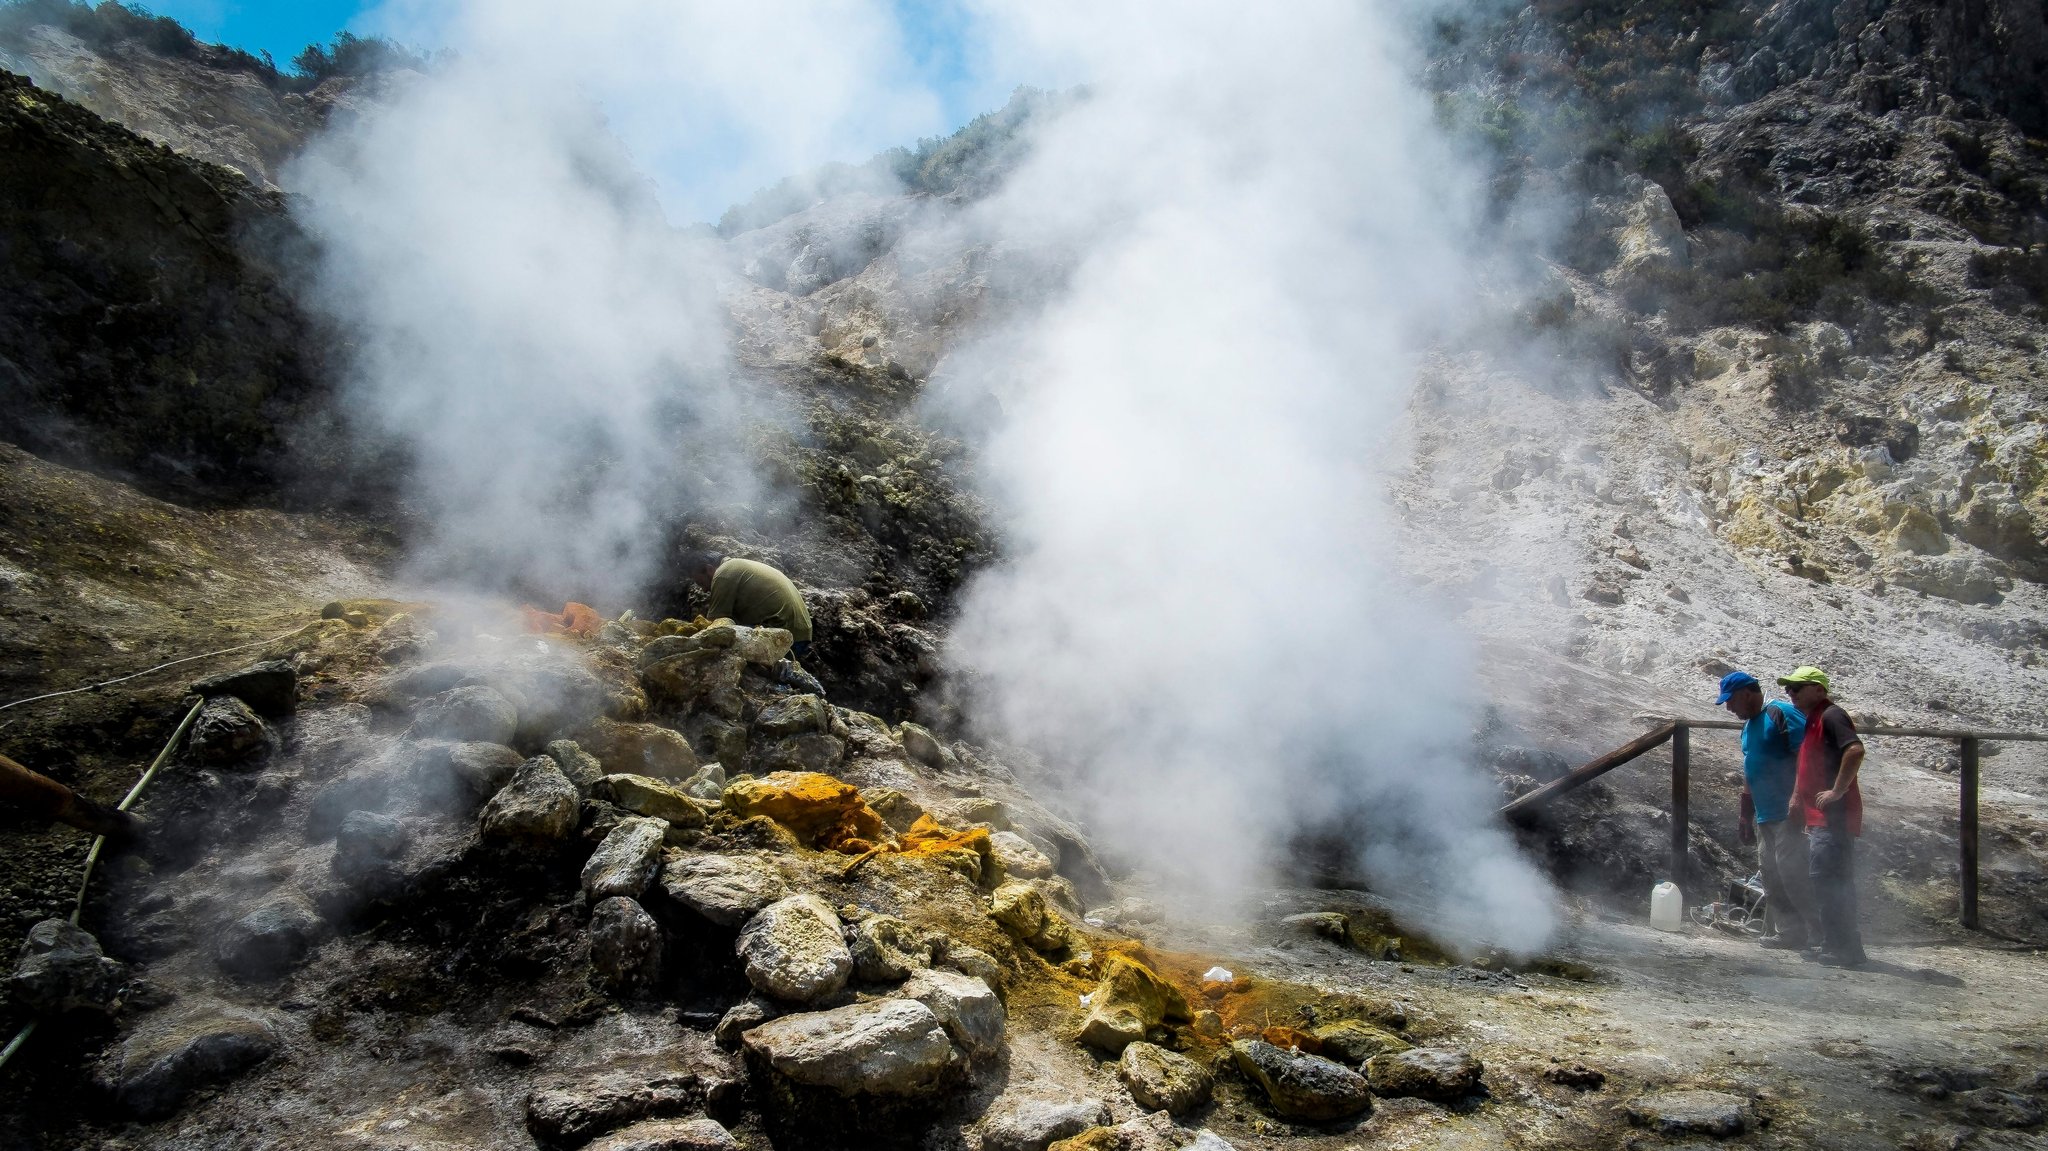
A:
<point x="1771" y="734"/>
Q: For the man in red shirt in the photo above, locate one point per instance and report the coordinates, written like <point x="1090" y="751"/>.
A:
<point x="1830" y="758"/>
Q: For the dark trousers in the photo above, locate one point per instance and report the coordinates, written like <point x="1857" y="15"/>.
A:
<point x="1831" y="855"/>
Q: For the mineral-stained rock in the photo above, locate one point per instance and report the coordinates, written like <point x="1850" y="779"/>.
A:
<point x="1329" y="925"/>
<point x="1020" y="860"/>
<point x="625" y="946"/>
<point x="1128" y="1002"/>
<point x="670" y="1135"/>
<point x="793" y="950"/>
<point x="969" y="810"/>
<point x="1030" y="1121"/>
<point x="61" y="969"/>
<point x="582" y="768"/>
<point x="227" y="731"/>
<point x="793" y="715"/>
<point x="1355" y="1041"/>
<point x="178" y="1052"/>
<point x="1576" y="1076"/>
<point x="886" y="949"/>
<point x="1021" y="910"/>
<point x="645" y="795"/>
<point x="1161" y="1080"/>
<point x="762" y="646"/>
<point x="271" y="939"/>
<point x="538" y="807"/>
<point x="708" y="784"/>
<point x="706" y="679"/>
<point x="271" y="687"/>
<point x="891" y="1047"/>
<point x="473" y="713"/>
<point x="897" y="810"/>
<point x="821" y="811"/>
<point x="625" y="863"/>
<point x="1300" y="1085"/>
<point x="1424" y="1072"/>
<point x="725" y="889"/>
<point x="968" y="961"/>
<point x="1677" y="1113"/>
<point x="639" y="749"/>
<point x="483" y="768"/>
<point x="965" y="1006"/>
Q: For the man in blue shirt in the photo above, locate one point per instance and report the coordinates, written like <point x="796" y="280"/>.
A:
<point x="1770" y="766"/>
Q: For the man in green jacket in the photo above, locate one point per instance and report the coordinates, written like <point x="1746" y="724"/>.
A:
<point x="752" y="594"/>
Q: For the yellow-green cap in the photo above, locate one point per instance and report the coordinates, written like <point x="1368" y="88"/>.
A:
<point x="1804" y="675"/>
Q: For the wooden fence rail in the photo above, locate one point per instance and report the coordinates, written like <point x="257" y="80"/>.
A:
<point x="1678" y="733"/>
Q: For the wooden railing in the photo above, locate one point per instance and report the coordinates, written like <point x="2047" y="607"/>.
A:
<point x="1677" y="733"/>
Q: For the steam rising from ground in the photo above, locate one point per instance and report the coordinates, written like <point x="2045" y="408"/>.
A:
<point x="1200" y="604"/>
<point x="1253" y="221"/>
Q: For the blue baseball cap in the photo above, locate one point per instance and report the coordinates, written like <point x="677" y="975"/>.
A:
<point x="1735" y="681"/>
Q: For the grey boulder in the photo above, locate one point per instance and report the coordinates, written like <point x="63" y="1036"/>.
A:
<point x="965" y="1006"/>
<point x="271" y="687"/>
<point x="474" y="713"/>
<point x="539" y="806"/>
<point x="670" y="1135"/>
<point x="725" y="889"/>
<point x="893" y="1047"/>
<point x="1425" y="1073"/>
<point x="625" y="863"/>
<point x="1677" y="1113"/>
<point x="1031" y="1121"/>
<point x="270" y="940"/>
<point x="793" y="950"/>
<point x="886" y="949"/>
<point x="227" y="731"/>
<point x="1162" y="1080"/>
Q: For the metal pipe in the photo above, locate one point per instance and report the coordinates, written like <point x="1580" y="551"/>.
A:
<point x="1681" y="802"/>
<point x="1968" y="820"/>
<point x="1588" y="772"/>
<point x="93" y="856"/>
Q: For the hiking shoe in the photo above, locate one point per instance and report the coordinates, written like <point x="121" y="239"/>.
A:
<point x="1780" y="943"/>
<point x="1846" y="962"/>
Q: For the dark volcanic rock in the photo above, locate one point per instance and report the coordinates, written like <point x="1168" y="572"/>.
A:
<point x="270" y="940"/>
<point x="227" y="731"/>
<point x="61" y="969"/>
<point x="1998" y="1108"/>
<point x="271" y="687"/>
<point x="537" y="808"/>
<point x="1300" y="1085"/>
<point x="625" y="863"/>
<point x="572" y="1114"/>
<point x="367" y="843"/>
<point x="473" y="713"/>
<point x="169" y="1057"/>
<point x="625" y="946"/>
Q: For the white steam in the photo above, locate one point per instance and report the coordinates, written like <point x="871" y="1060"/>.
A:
<point x="1200" y="604"/>
<point x="526" y="319"/>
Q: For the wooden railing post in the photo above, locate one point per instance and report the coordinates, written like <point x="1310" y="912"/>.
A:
<point x="1681" y="802"/>
<point x="1968" y="821"/>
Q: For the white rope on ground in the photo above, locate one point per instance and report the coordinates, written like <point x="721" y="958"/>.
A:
<point x="92" y="856"/>
<point x="148" y="670"/>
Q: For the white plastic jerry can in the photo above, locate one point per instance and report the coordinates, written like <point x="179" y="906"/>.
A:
<point x="1667" y="907"/>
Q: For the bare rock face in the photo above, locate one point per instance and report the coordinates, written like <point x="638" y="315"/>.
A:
<point x="1425" y="1072"/>
<point x="625" y="863"/>
<point x="61" y="969"/>
<point x="271" y="687"/>
<point x="625" y="946"/>
<point x="538" y="807"/>
<point x="725" y="889"/>
<point x="892" y="1047"/>
<point x="1030" y="1121"/>
<point x="473" y="713"/>
<point x="174" y="1054"/>
<point x="965" y="1006"/>
<point x="793" y="950"/>
<point x="670" y="1135"/>
<point x="1162" y="1080"/>
<point x="1300" y="1085"/>
<point x="227" y="731"/>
